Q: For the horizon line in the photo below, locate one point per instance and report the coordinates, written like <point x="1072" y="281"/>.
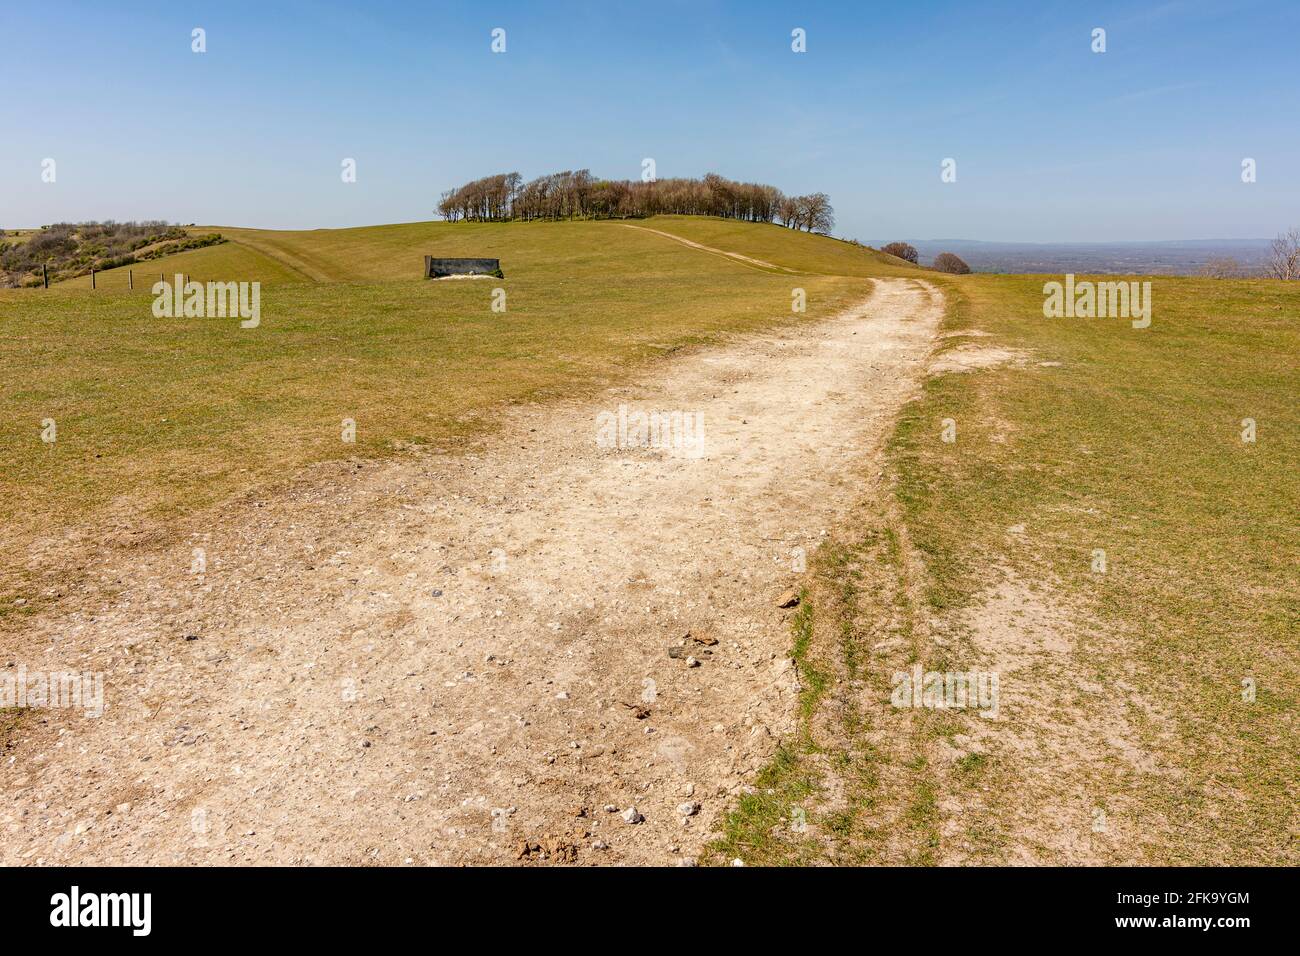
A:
<point x="411" y="222"/>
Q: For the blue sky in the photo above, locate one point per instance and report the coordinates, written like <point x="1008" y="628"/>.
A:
<point x="1052" y="141"/>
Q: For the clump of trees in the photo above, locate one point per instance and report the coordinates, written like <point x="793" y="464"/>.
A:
<point x="812" y="213"/>
<point x="579" y="195"/>
<point x="948" y="262"/>
<point x="903" y="250"/>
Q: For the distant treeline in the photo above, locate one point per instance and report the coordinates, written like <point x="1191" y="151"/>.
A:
<point x="579" y="195"/>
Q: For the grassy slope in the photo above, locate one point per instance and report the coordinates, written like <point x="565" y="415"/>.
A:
<point x="778" y="245"/>
<point x="378" y="253"/>
<point x="527" y="250"/>
<point x="1132" y="444"/>
<point x="160" y="416"/>
<point x="227" y="260"/>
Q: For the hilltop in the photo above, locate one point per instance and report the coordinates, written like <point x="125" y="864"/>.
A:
<point x="394" y="251"/>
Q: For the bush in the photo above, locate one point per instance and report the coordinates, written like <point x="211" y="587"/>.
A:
<point x="902" y="250"/>
<point x="190" y="242"/>
<point x="947" y="262"/>
<point x="70" y="249"/>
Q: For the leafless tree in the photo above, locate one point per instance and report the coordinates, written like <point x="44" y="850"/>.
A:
<point x="1284" y="256"/>
<point x="903" y="250"/>
<point x="1223" y="267"/>
<point x="787" y="211"/>
<point x="815" y="213"/>
<point x="947" y="262"/>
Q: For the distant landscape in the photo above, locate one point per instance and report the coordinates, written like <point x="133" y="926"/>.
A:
<point x="1168" y="257"/>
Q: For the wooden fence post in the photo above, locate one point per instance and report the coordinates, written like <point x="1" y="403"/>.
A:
<point x="45" y="275"/>
<point x="92" y="277"/>
<point x="130" y="279"/>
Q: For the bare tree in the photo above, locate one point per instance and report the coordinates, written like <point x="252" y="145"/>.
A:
<point x="787" y="210"/>
<point x="903" y="250"/>
<point x="817" y="214"/>
<point x="1284" y="256"/>
<point x="947" y="262"/>
<point x="1223" y="267"/>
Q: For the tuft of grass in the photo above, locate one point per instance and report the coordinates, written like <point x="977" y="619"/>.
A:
<point x="812" y="680"/>
<point x="760" y="829"/>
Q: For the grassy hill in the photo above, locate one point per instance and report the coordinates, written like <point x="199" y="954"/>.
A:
<point x="158" y="417"/>
<point x="227" y="261"/>
<point x="1094" y="436"/>
<point x="394" y="252"/>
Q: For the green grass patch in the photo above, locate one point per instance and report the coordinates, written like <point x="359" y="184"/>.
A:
<point x="1129" y="441"/>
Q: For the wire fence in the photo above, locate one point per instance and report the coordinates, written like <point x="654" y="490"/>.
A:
<point x="122" y="278"/>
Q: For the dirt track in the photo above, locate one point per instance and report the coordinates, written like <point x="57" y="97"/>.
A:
<point x="434" y="661"/>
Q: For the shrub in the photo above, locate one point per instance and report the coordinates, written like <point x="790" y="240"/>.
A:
<point x="71" y="249"/>
<point x="902" y="250"/>
<point x="947" y="262"/>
